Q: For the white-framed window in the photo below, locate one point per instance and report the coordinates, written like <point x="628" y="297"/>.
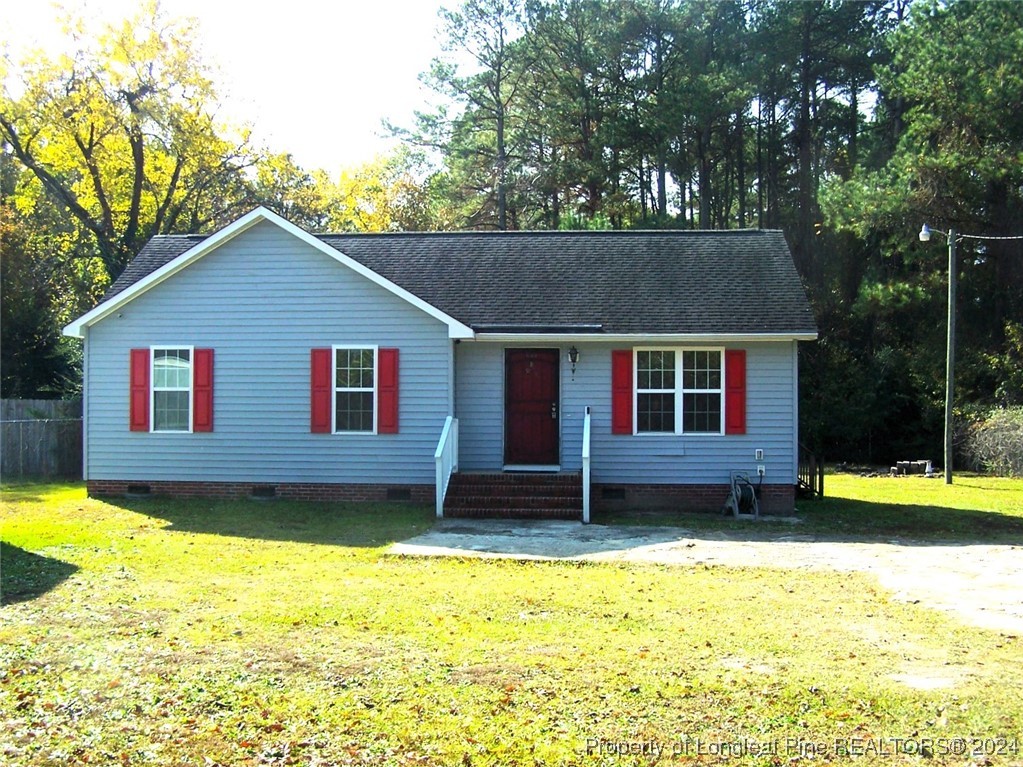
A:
<point x="355" y="389"/>
<point x="171" y="404"/>
<point x="702" y="392"/>
<point x="679" y="391"/>
<point x="655" y="391"/>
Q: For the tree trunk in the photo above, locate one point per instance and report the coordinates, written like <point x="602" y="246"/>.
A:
<point x="662" y="181"/>
<point x="642" y="188"/>
<point x="704" y="170"/>
<point x="854" y="127"/>
<point x="805" y="213"/>
<point x="760" y="162"/>
<point x="740" y="133"/>
<point x="502" y="170"/>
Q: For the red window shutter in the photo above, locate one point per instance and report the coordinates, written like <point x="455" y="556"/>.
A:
<point x="138" y="407"/>
<point x="735" y="391"/>
<point x="322" y="384"/>
<point x="202" y="390"/>
<point x="387" y="391"/>
<point x="621" y="391"/>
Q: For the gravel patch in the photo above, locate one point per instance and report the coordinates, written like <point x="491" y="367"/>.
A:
<point x="982" y="584"/>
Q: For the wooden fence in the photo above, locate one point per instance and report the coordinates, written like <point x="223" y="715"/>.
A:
<point x="40" y="438"/>
<point x="810" y="473"/>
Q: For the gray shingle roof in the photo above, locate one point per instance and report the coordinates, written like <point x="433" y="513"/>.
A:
<point x="740" y="282"/>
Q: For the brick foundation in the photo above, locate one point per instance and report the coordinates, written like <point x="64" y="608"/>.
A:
<point x="774" y="499"/>
<point x="779" y="500"/>
<point x="285" y="490"/>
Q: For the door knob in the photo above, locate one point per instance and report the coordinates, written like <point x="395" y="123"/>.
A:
<point x="554" y="410"/>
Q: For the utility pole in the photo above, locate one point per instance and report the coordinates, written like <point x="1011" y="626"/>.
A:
<point x="950" y="352"/>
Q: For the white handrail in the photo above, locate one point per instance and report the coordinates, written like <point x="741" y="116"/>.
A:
<point x="446" y="458"/>
<point x="586" y="466"/>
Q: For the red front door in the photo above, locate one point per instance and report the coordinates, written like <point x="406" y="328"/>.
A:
<point x="531" y="406"/>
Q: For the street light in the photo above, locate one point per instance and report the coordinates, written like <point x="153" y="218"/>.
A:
<point x="953" y="237"/>
<point x="950" y="345"/>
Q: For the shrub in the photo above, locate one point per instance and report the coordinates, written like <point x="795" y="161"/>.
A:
<point x="995" y="443"/>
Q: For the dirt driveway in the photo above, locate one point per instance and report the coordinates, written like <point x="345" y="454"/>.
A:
<point x="982" y="584"/>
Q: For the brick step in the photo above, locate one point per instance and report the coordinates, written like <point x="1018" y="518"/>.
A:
<point x="517" y="491"/>
<point x="513" y="478"/>
<point x="460" y="500"/>
<point x="515" y="496"/>
<point x="514" y="513"/>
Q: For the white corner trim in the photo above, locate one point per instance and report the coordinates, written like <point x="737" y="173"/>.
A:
<point x="86" y="350"/>
<point x="77" y="328"/>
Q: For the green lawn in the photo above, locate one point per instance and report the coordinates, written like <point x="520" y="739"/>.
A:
<point x="162" y="632"/>
<point x="973" y="508"/>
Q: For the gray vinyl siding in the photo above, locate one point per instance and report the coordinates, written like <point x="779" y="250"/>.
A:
<point x="479" y="405"/>
<point x="261" y="301"/>
<point x="771" y="423"/>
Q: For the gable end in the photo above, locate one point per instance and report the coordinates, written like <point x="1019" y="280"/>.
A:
<point x="77" y="328"/>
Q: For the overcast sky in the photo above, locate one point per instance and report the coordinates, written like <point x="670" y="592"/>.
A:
<point x="312" y="77"/>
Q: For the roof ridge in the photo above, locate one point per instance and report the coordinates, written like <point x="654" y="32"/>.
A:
<point x="522" y="233"/>
<point x="556" y="233"/>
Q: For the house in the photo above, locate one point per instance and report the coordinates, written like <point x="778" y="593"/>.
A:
<point x="644" y="367"/>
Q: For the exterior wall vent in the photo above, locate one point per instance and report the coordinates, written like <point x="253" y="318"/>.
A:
<point x="264" y="492"/>
<point x="399" y="494"/>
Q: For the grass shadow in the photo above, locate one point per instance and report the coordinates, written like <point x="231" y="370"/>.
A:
<point x="914" y="521"/>
<point x="371" y="525"/>
<point x="842" y="519"/>
<point x="25" y="576"/>
<point x="351" y="524"/>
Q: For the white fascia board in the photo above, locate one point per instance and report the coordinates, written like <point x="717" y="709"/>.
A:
<point x="76" y="329"/>
<point x="215" y="240"/>
<point x="646" y="338"/>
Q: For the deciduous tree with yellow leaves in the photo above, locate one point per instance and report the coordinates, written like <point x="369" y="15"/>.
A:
<point x="122" y="133"/>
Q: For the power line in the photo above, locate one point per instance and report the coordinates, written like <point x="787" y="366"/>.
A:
<point x="986" y="237"/>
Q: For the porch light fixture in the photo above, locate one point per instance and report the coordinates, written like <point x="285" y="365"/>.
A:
<point x="953" y="237"/>
<point x="573" y="357"/>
